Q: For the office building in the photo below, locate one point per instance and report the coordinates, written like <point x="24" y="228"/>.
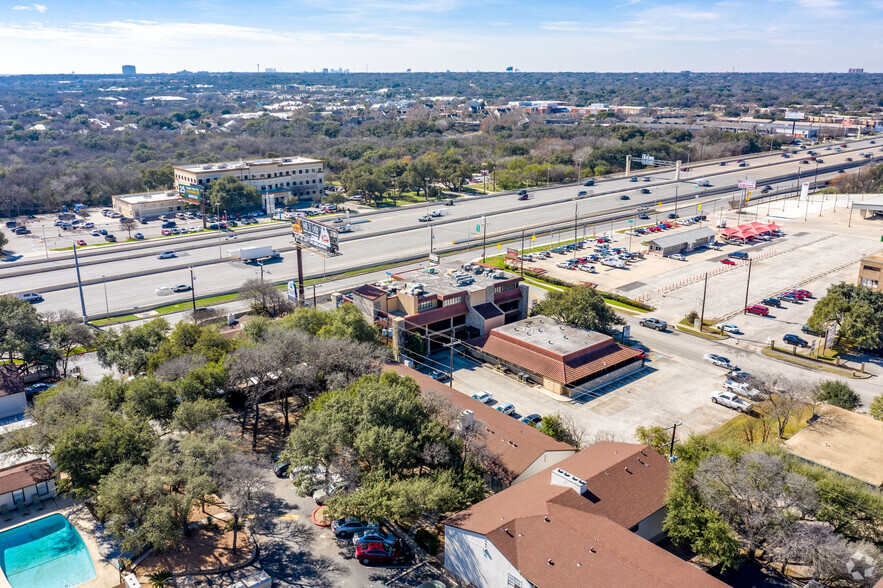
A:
<point x="148" y="205"/>
<point x="128" y="70"/>
<point x="870" y="270"/>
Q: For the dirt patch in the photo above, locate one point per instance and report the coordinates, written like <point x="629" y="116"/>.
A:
<point x="205" y="548"/>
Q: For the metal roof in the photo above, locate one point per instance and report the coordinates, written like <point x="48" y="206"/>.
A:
<point x="683" y="238"/>
<point x="869" y="204"/>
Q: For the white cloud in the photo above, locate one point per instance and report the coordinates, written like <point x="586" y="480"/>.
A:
<point x="38" y="7"/>
<point x="563" y="25"/>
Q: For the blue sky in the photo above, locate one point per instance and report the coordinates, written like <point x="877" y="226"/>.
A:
<point x="98" y="36"/>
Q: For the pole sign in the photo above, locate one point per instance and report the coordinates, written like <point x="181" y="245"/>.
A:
<point x="746" y="184"/>
<point x="191" y="194"/>
<point x="830" y="333"/>
<point x="292" y="291"/>
<point x="512" y="253"/>
<point x="434" y="259"/>
<point x="315" y="234"/>
<point x="795" y="115"/>
<point x="804" y="191"/>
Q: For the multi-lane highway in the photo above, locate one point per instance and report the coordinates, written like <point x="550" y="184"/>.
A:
<point x="130" y="273"/>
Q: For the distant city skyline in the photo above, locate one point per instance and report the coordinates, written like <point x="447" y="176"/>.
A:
<point x="99" y="36"/>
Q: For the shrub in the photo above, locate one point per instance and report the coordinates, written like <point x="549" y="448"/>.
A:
<point x="837" y="393"/>
<point x="427" y="541"/>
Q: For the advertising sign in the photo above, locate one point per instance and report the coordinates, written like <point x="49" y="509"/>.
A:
<point x="747" y="184"/>
<point x="192" y="194"/>
<point x="292" y="291"/>
<point x="434" y="259"/>
<point x="795" y="115"/>
<point x="830" y="333"/>
<point x="512" y="252"/>
<point x="804" y="191"/>
<point x="315" y="234"/>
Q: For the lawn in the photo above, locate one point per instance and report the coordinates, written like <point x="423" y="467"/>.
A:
<point x="735" y="427"/>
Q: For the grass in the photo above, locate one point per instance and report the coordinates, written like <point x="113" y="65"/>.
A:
<point x="734" y="428"/>
<point x="543" y="285"/>
<point x="612" y="302"/>
<point x="702" y="334"/>
<point x="804" y="361"/>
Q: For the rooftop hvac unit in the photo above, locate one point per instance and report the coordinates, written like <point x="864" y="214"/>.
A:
<point x="206" y="167"/>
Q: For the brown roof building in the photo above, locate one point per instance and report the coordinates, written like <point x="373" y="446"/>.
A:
<point x="21" y="483"/>
<point x="517" y="450"/>
<point x="566" y="360"/>
<point x="588" y="521"/>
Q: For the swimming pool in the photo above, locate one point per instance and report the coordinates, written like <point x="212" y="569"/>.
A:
<point x="46" y="553"/>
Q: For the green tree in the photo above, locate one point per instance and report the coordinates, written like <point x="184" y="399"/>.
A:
<point x="857" y="310"/>
<point x="333" y="198"/>
<point x="553" y="427"/>
<point x="229" y="194"/>
<point x="656" y="437"/>
<point x="580" y="306"/>
<point x="66" y="336"/>
<point x="876" y="409"/>
<point x="130" y="349"/>
<point x="4" y="240"/>
<point x="344" y="322"/>
<point x="21" y="331"/>
<point x="147" y="398"/>
<point x="161" y="178"/>
<point x="837" y="393"/>
<point x="193" y="415"/>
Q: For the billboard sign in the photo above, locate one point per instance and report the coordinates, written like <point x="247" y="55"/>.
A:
<point x="192" y="194"/>
<point x="292" y="291"/>
<point x="804" y="191"/>
<point x="795" y="115"/>
<point x="434" y="259"/>
<point x="315" y="234"/>
<point x="830" y="333"/>
<point x="747" y="184"/>
<point x="512" y="253"/>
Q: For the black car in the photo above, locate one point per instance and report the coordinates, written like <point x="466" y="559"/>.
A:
<point x="624" y="197"/>
<point x="168" y="224"/>
<point x="795" y="340"/>
<point x="645" y="190"/>
<point x="771" y="302"/>
<point x="110" y="238"/>
<point x="738" y="255"/>
<point x="281" y="468"/>
<point x="643" y="216"/>
<point x="589" y="183"/>
<point x="672" y="215"/>
<point x="805" y="329"/>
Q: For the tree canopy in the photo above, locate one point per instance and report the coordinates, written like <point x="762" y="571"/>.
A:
<point x="580" y="306"/>
<point x="856" y="310"/>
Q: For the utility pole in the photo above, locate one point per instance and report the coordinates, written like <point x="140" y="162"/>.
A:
<point x="522" y="253"/>
<point x="46" y="245"/>
<point x="676" y="200"/>
<point x="80" y="284"/>
<point x="300" y="275"/>
<point x="702" y="312"/>
<point x="430" y="238"/>
<point x="193" y="292"/>
<point x="671" y="449"/>
<point x="106" y="304"/>
<point x="483" y="237"/>
<point x="575" y="236"/>
<point x="747" y="285"/>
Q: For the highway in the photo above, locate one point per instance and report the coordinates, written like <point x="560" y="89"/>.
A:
<point x="130" y="273"/>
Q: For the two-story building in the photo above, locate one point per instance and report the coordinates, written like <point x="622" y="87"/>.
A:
<point x="277" y="178"/>
<point x="442" y="302"/>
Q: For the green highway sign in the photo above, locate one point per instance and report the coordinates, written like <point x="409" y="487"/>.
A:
<point x="477" y="228"/>
<point x="192" y="193"/>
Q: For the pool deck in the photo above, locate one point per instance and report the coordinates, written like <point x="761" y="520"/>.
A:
<point x="80" y="517"/>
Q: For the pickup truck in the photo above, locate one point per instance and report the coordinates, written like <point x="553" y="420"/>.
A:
<point x="730" y="400"/>
<point x="653" y="323"/>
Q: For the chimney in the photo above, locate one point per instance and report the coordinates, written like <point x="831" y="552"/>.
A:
<point x="562" y="478"/>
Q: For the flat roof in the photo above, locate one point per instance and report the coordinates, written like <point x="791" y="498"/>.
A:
<point x="843" y="441"/>
<point x="165" y="195"/>
<point x="874" y="257"/>
<point x="552" y="335"/>
<point x="683" y="238"/>
<point x="245" y="164"/>
<point x="442" y="280"/>
<point x="869" y="204"/>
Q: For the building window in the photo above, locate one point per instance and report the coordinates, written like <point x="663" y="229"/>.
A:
<point x="43" y="488"/>
<point x="870" y="268"/>
<point x="426" y="304"/>
<point x="505" y="288"/>
<point x="452" y="301"/>
<point x="513" y="581"/>
<point x="868" y="283"/>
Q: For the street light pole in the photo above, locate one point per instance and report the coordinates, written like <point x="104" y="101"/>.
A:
<point x="674" y="430"/>
<point x="45" y="245"/>
<point x="747" y="285"/>
<point x="193" y="292"/>
<point x="106" y="304"/>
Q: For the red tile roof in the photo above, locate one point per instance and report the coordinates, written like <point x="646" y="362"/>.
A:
<point x="516" y="446"/>
<point x="560" y="369"/>
<point x="24" y="475"/>
<point x="436" y="314"/>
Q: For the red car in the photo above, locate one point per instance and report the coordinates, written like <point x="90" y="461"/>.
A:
<point x="799" y="294"/>
<point x="380" y="554"/>
<point x="166" y="232"/>
<point x="806" y="293"/>
<point x="755" y="309"/>
<point x="81" y="243"/>
<point x="728" y="262"/>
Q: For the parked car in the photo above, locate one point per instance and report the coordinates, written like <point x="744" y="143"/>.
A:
<point x="672" y="215"/>
<point x="102" y="231"/>
<point x="323" y="494"/>
<point x="380" y="554"/>
<point x="720" y="361"/>
<point x="138" y="236"/>
<point x="438" y="376"/>
<point x="738" y="376"/>
<point x="757" y="309"/>
<point x="532" y="419"/>
<point x="81" y="243"/>
<point x="110" y="238"/>
<point x="506" y="408"/>
<point x="349" y="526"/>
<point x="795" y="340"/>
<point x="653" y="323"/>
<point x="37" y="388"/>
<point x="677" y="257"/>
<point x="280" y="468"/>
<point x="788" y="297"/>
<point x="805" y="329"/>
<point x="771" y="302"/>
<point x="484" y="397"/>
<point x="374" y="535"/>
<point x="805" y="293"/>
<point x="727" y="327"/>
<point x="730" y="400"/>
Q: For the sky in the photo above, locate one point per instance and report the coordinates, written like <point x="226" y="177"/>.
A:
<point x="99" y="36"/>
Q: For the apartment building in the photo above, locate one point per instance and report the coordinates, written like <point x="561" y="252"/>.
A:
<point x="276" y="178"/>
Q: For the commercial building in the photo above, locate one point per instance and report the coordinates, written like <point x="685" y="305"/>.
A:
<point x="868" y="205"/>
<point x="843" y="441"/>
<point x="681" y="242"/>
<point x="148" y="205"/>
<point x="517" y="451"/>
<point x="870" y="271"/>
<point x="566" y="360"/>
<point x="276" y="178"/>
<point x="589" y="520"/>
<point x="444" y="301"/>
<point x="128" y="70"/>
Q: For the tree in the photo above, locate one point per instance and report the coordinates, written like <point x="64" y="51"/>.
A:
<point x="551" y="426"/>
<point x="656" y="437"/>
<point x="21" y="331"/>
<point x="837" y="393"/>
<point x="194" y="415"/>
<point x="229" y="194"/>
<point x="253" y="369"/>
<point x="4" y="240"/>
<point x="243" y="485"/>
<point x="130" y="349"/>
<point x="580" y="306"/>
<point x="857" y="310"/>
<point x="160" y="578"/>
<point x="265" y="299"/>
<point x="876" y="409"/>
<point x="333" y="198"/>
<point x="128" y="225"/>
<point x="344" y="322"/>
<point x="68" y="334"/>
<point x="784" y="396"/>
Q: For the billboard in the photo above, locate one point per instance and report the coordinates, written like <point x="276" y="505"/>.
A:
<point x="804" y="191"/>
<point x="434" y="259"/>
<point x="192" y="194"/>
<point x="795" y="115"/>
<point x="747" y="184"/>
<point x="315" y="234"/>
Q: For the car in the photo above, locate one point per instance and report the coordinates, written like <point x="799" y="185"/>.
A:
<point x="647" y="178"/>
<point x="757" y="309"/>
<point x="167" y="255"/>
<point x="672" y="215"/>
<point x="643" y="216"/>
<point x="633" y="179"/>
<point x="719" y="361"/>
<point x="788" y="297"/>
<point x="142" y="220"/>
<point x="168" y="224"/>
<point x="425" y="218"/>
<point x="723" y="163"/>
<point x="350" y="526"/>
<point x="739" y="376"/>
<point x="730" y="400"/>
<point x="81" y="243"/>
<point x="176" y="231"/>
<point x="624" y="197"/>
<point x="531" y="419"/>
<point x="800" y="295"/>
<point x="848" y="159"/>
<point x="727" y="327"/>
<point x="808" y="331"/>
<point x="586" y="268"/>
<point x="589" y="183"/>
<point x="645" y="190"/>
<point x="138" y="236"/>
<point x="102" y="231"/>
<point x="324" y="493"/>
<point x="506" y="408"/>
<point x="31" y="297"/>
<point x="95" y="233"/>
<point x="523" y="196"/>
<point x="738" y="255"/>
<point x="806" y="293"/>
<point x="181" y="288"/>
<point x="280" y="468"/>
<point x="484" y="397"/>
<point x="771" y="302"/>
<point x="581" y="193"/>
<point x="743" y="389"/>
<point x="110" y="238"/>
<point x="795" y="340"/>
<point x="232" y="223"/>
<point x="37" y="388"/>
<point x="375" y="535"/>
<point x="381" y="554"/>
<point x="677" y="257"/>
<point x="653" y="323"/>
<point x="728" y="262"/>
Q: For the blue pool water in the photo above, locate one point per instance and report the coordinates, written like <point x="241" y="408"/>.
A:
<point x="46" y="553"/>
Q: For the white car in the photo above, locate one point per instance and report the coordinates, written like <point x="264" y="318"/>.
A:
<point x="31" y="297"/>
<point x="484" y="397"/>
<point x="743" y="389"/>
<point x="727" y="327"/>
<point x="677" y="257"/>
<point x="166" y="255"/>
<point x="564" y="264"/>
<point x="506" y="408"/>
<point x="95" y="233"/>
<point x="730" y="400"/>
<point x="719" y="360"/>
<point x="587" y="268"/>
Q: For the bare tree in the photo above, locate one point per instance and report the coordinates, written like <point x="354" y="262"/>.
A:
<point x="179" y="366"/>
<point x="832" y="559"/>
<point x="128" y="225"/>
<point x="68" y="333"/>
<point x="205" y="315"/>
<point x="265" y="299"/>
<point x="254" y="370"/>
<point x="244" y="486"/>
<point x="755" y="495"/>
<point x="785" y="395"/>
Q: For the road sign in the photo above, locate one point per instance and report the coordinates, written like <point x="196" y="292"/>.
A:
<point x="830" y="333"/>
<point x="647" y="159"/>
<point x="315" y="234"/>
<point x="698" y="207"/>
<point x="190" y="193"/>
<point x="746" y="184"/>
<point x="478" y="228"/>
